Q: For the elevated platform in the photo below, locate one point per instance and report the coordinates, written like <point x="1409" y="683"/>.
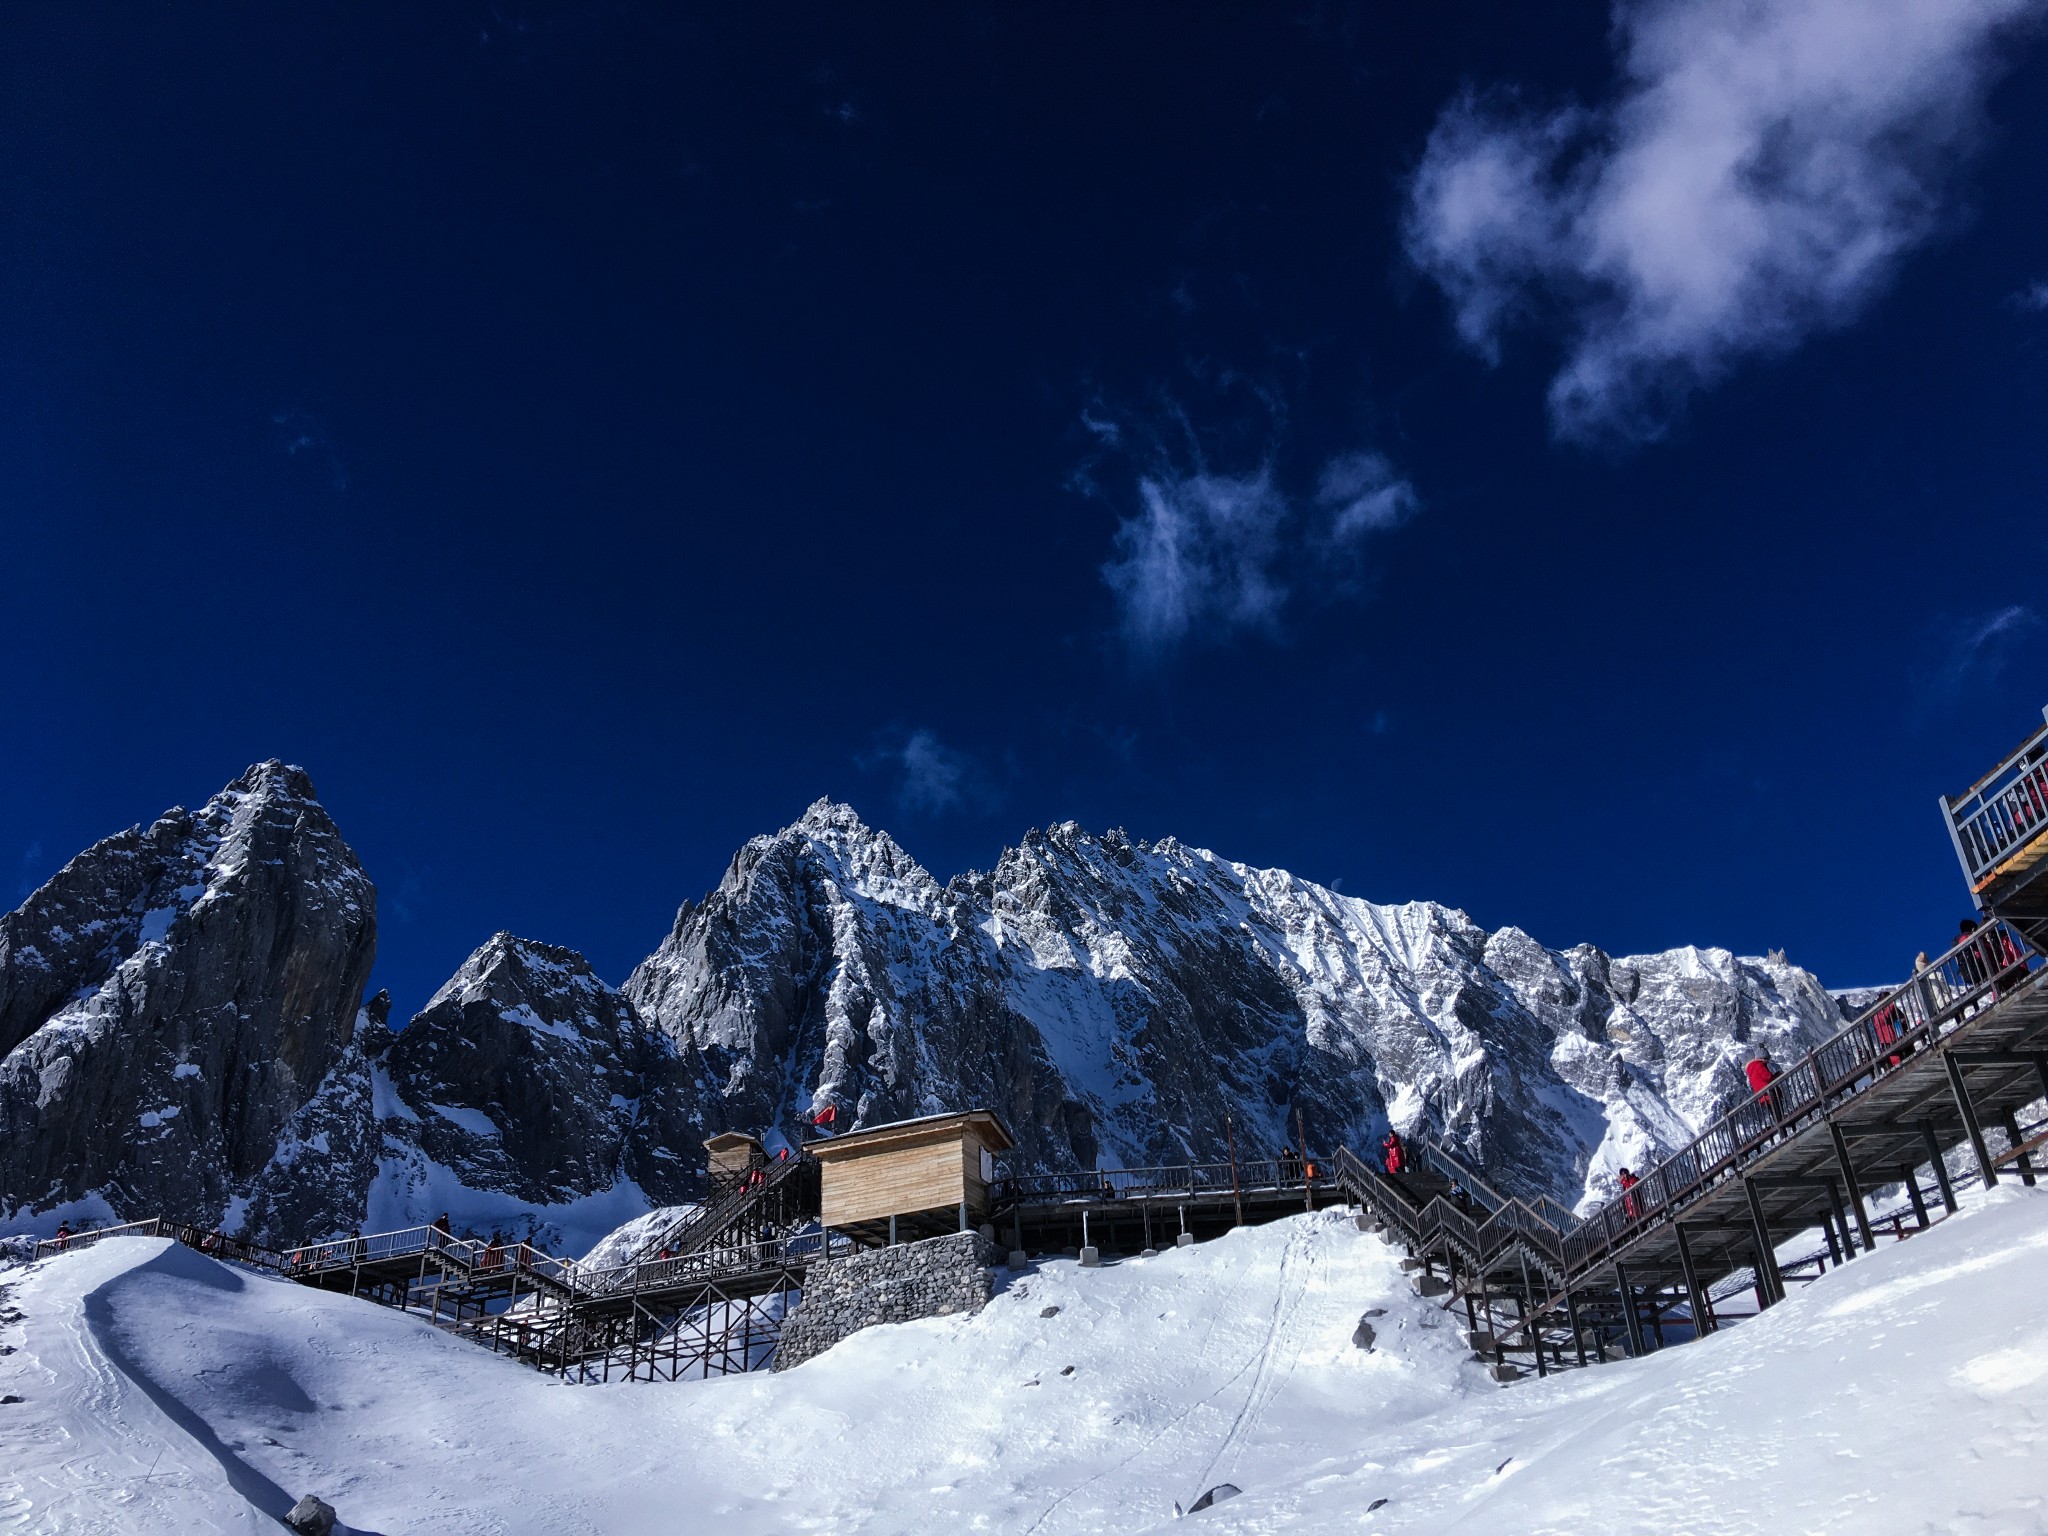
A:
<point x="1999" y="826"/>
<point x="1127" y="1210"/>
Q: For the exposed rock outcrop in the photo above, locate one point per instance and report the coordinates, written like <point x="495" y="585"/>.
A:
<point x="527" y="1087"/>
<point x="1114" y="998"/>
<point x="172" y="1000"/>
<point x="181" y="1035"/>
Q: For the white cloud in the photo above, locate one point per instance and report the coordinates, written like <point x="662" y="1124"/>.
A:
<point x="934" y="775"/>
<point x="1200" y="550"/>
<point x="1758" y="175"/>
<point x="1222" y="553"/>
<point x="1363" y="495"/>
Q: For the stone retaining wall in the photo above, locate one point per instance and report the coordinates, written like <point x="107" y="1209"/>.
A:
<point x="938" y="1276"/>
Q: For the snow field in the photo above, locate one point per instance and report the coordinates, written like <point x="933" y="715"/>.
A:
<point x="1907" y="1392"/>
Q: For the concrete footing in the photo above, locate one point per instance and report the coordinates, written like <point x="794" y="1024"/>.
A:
<point x="1091" y="1257"/>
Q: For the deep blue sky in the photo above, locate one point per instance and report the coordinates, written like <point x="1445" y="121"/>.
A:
<point x="583" y="435"/>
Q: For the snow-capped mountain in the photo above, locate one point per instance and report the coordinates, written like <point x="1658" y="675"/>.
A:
<point x="170" y="1002"/>
<point x="181" y="1016"/>
<point x="527" y="1095"/>
<point x="1114" y="998"/>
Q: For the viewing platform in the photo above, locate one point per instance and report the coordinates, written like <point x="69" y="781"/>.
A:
<point x="1999" y="826"/>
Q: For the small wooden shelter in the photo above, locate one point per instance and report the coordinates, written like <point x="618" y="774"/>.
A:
<point x="910" y="1179"/>
<point x="730" y="1154"/>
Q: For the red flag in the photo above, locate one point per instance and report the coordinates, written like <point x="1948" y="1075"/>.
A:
<point x="829" y="1115"/>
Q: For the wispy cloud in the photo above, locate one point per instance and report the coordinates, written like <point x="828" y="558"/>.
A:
<point x="2033" y="298"/>
<point x="1757" y="176"/>
<point x="1211" y="553"/>
<point x="932" y="778"/>
<point x="1974" y="652"/>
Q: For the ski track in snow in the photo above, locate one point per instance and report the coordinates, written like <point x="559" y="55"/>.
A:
<point x="164" y="1392"/>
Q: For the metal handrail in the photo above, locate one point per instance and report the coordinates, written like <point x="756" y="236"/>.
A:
<point x="50" y="1247"/>
<point x="1257" y="1174"/>
<point x="691" y="1231"/>
<point x="1909" y="1018"/>
<point x="468" y="1255"/>
<point x="2002" y="811"/>
<point x="642" y="1275"/>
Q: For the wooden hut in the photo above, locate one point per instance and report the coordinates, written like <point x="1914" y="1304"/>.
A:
<point x="911" y="1179"/>
<point x="729" y="1155"/>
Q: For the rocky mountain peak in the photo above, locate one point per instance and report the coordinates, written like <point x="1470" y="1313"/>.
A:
<point x="196" y="981"/>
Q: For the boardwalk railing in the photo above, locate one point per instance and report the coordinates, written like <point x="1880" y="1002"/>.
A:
<point x="703" y="1226"/>
<point x="2002" y="811"/>
<point x="468" y="1256"/>
<point x="722" y="1263"/>
<point x="1482" y="1237"/>
<point x="155" y="1226"/>
<point x="1184" y="1180"/>
<point x="1484" y="1225"/>
<point x="1909" y="1018"/>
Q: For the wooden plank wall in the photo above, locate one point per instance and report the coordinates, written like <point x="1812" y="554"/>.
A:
<point x="920" y="1177"/>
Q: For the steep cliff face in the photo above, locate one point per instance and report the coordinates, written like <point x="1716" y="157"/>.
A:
<point x="830" y="970"/>
<point x="179" y="1017"/>
<point x="171" y="1000"/>
<point x="1115" y="999"/>
<point x="528" y="1096"/>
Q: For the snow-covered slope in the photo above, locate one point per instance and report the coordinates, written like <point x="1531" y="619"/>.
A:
<point x="1907" y="1392"/>
<point x="1113" y="999"/>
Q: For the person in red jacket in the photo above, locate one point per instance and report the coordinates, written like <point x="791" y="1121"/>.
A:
<point x="1397" y="1157"/>
<point x="1761" y="1075"/>
<point x="1628" y="1195"/>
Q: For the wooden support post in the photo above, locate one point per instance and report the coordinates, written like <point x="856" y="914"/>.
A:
<point x="1236" y="1195"/>
<point x="2022" y="1162"/>
<point x="1969" y="1113"/>
<point x="1702" y="1307"/>
<point x="1934" y="1156"/>
<point x="1827" y="1230"/>
<point x="1854" y="1188"/>
<point x="1631" y="1323"/>
<point x="1308" y="1193"/>
<point x="1908" y="1178"/>
<point x="1571" y="1317"/>
<point x="1770" y="1285"/>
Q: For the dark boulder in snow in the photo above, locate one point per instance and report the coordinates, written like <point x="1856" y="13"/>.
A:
<point x="311" y="1517"/>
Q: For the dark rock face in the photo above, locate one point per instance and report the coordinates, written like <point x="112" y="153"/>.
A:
<point x="1113" y="1000"/>
<point x="829" y="969"/>
<point x="526" y="1077"/>
<point x="180" y="1035"/>
<point x="172" y="1000"/>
